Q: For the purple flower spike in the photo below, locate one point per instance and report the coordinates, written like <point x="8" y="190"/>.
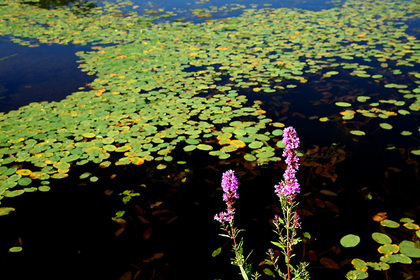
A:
<point x="230" y="189"/>
<point x="289" y="187"/>
<point x="230" y="186"/>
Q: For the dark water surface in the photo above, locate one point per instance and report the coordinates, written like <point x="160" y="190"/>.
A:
<point x="68" y="233"/>
<point x="37" y="74"/>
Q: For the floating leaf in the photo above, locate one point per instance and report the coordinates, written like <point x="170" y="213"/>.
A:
<point x="269" y="272"/>
<point x="277" y="132"/>
<point x="379" y="266"/>
<point x="388" y="249"/>
<point x="137" y="160"/>
<point x="216" y="252"/>
<point x="61" y="165"/>
<point x="24" y="172"/>
<point x="88" y="135"/>
<point x="342" y="104"/>
<point x="359" y="264"/>
<point x="350" y="240"/>
<point x="190" y="148"/>
<point x="13" y="193"/>
<point x="411" y="225"/>
<point x="389" y="223"/>
<point x="10" y="171"/>
<point x="93" y="179"/>
<point x="357" y="274"/>
<point x="381" y="238"/>
<point x="6" y="210"/>
<point x="59" y="175"/>
<point x="44" y="188"/>
<point x="396" y="258"/>
<point x="124" y="148"/>
<point x="123" y="161"/>
<point x="256" y="145"/>
<point x="409" y="249"/>
<point x="249" y="157"/>
<point x="15" y="249"/>
<point x="161" y="166"/>
<point x="24" y="181"/>
<point x="403" y="112"/>
<point x="358" y="132"/>
<point x="406" y="133"/>
<point x="363" y="98"/>
<point x="85" y="175"/>
<point x="385" y="125"/>
<point x="204" y="147"/>
<point x="277" y="124"/>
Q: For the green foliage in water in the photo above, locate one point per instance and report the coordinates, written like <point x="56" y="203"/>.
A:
<point x="392" y="250"/>
<point x="163" y="84"/>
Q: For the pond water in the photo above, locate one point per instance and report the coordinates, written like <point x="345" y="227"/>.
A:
<point x="44" y="73"/>
<point x="153" y="114"/>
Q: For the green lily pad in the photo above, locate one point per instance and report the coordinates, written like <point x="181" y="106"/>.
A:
<point x="93" y="179"/>
<point x="409" y="249"/>
<point x="342" y="104"/>
<point x="256" y="145"/>
<point x="385" y="126"/>
<point x="359" y="264"/>
<point x="144" y="96"/>
<point x="161" y="166"/>
<point x="381" y="238"/>
<point x="357" y="274"/>
<point x="44" y="188"/>
<point x="250" y="157"/>
<point x="190" y="148"/>
<point x="24" y="181"/>
<point x="389" y="223"/>
<point x="358" y="132"/>
<point x="88" y="135"/>
<point x="396" y="258"/>
<point x="277" y="132"/>
<point x="350" y="240"/>
<point x="15" y="249"/>
<point x="204" y="147"/>
<point x="388" y="249"/>
<point x="62" y="165"/>
<point x="13" y="193"/>
<point x="361" y="98"/>
<point x="378" y="266"/>
<point x="6" y="210"/>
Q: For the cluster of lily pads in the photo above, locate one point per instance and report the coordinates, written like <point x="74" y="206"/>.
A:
<point x="162" y="85"/>
<point x="403" y="253"/>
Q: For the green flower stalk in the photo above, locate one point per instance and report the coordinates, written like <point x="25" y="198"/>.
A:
<point x="230" y="188"/>
<point x="285" y="226"/>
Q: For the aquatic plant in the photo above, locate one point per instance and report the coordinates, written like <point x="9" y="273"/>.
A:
<point x="287" y="191"/>
<point x="393" y="248"/>
<point x="198" y="75"/>
<point x="285" y="226"/>
<point x="230" y="188"/>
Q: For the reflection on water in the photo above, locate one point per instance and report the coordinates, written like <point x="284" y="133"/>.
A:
<point x="44" y="73"/>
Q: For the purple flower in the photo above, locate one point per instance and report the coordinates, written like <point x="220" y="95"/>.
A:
<point x="296" y="220"/>
<point x="289" y="187"/>
<point x="230" y="189"/>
